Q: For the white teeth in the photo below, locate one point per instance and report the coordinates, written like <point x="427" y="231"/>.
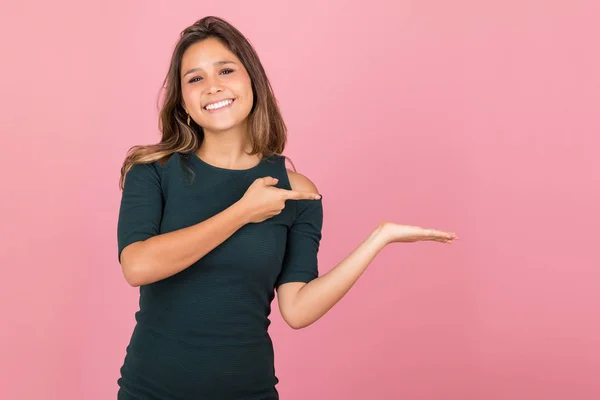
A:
<point x="220" y="104"/>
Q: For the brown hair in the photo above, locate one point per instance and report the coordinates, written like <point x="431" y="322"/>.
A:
<point x="267" y="130"/>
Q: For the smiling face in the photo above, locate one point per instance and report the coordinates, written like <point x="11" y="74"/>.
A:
<point x="215" y="86"/>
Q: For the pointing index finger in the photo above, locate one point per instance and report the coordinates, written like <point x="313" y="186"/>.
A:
<point x="297" y="195"/>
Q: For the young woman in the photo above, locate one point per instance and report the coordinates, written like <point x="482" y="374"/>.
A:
<point x="212" y="222"/>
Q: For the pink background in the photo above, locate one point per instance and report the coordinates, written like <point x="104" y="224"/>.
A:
<point x="477" y="118"/>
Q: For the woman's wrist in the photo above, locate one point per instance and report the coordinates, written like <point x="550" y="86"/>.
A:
<point x="241" y="212"/>
<point x="380" y="234"/>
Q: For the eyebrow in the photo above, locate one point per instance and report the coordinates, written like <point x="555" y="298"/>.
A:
<point x="216" y="63"/>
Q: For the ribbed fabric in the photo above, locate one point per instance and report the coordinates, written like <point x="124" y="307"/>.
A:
<point x="203" y="333"/>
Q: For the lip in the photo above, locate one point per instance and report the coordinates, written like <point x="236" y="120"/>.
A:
<point x="218" y="109"/>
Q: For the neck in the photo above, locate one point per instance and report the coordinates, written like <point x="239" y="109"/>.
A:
<point x="227" y="149"/>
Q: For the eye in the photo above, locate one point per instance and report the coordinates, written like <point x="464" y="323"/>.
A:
<point x="228" y="70"/>
<point x="192" y="80"/>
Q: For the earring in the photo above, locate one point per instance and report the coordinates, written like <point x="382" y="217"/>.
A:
<point x="188" y="120"/>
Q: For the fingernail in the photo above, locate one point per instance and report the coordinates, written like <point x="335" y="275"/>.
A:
<point x="317" y="197"/>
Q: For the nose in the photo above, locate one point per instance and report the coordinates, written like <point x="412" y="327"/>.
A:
<point x="213" y="85"/>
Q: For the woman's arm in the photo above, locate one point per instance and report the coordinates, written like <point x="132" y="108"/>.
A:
<point x="166" y="254"/>
<point x="301" y="303"/>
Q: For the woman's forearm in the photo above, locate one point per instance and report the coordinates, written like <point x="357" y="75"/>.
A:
<point x="318" y="296"/>
<point x="166" y="254"/>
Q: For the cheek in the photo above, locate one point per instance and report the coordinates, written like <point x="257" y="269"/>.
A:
<point x="245" y="89"/>
<point x="188" y="97"/>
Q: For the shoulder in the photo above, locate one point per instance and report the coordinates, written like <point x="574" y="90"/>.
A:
<point x="142" y="169"/>
<point x="156" y="167"/>
<point x="300" y="182"/>
<point x="142" y="173"/>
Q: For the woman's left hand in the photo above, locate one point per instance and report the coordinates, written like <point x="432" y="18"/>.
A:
<point x="406" y="233"/>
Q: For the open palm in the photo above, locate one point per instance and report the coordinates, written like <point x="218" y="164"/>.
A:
<point x="408" y="233"/>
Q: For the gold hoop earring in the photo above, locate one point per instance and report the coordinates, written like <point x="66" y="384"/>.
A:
<point x="188" y="120"/>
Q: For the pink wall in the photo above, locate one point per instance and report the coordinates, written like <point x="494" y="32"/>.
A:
<point x="481" y="119"/>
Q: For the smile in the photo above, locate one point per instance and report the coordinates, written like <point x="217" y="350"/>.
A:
<point x="219" y="105"/>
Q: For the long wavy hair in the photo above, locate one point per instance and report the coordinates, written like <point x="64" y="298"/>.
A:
<point x="267" y="130"/>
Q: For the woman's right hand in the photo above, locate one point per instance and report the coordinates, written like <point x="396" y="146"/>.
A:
<point x="262" y="200"/>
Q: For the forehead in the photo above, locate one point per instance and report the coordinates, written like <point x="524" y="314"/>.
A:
<point x="205" y="53"/>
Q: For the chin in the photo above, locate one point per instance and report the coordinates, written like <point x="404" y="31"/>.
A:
<point x="223" y="127"/>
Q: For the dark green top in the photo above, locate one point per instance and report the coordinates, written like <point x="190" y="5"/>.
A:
<point x="202" y="333"/>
